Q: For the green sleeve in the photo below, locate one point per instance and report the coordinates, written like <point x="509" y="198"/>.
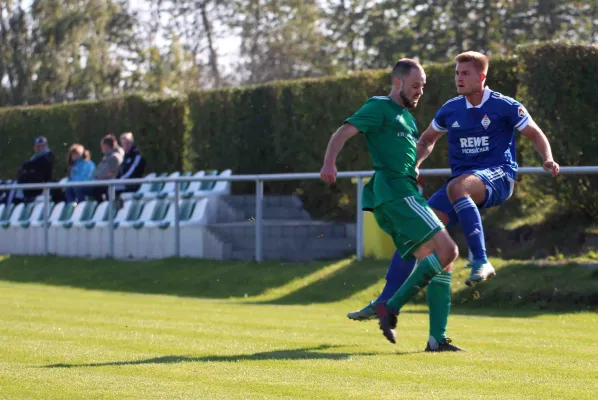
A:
<point x="368" y="117"/>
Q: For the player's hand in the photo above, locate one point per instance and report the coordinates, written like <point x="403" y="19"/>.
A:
<point x="552" y="166"/>
<point x="328" y="173"/>
<point x="416" y="173"/>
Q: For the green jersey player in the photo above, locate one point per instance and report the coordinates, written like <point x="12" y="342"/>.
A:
<point x="392" y="193"/>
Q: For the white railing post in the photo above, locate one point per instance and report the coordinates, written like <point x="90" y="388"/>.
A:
<point x="259" y="220"/>
<point x="177" y="222"/>
<point x="359" y="228"/>
<point x="46" y="221"/>
<point x="112" y="208"/>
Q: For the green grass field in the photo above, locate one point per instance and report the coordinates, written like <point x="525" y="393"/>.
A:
<point x="198" y="329"/>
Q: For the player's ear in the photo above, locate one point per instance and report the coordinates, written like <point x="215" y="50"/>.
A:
<point x="482" y="76"/>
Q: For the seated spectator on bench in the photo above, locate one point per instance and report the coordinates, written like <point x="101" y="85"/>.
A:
<point x="38" y="169"/>
<point x="81" y="169"/>
<point x="107" y="168"/>
<point x="133" y="165"/>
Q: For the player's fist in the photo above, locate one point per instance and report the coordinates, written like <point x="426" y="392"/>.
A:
<point x="328" y="173"/>
<point x="552" y="166"/>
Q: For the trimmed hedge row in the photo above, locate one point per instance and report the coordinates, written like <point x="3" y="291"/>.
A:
<point x="158" y="126"/>
<point x="284" y="127"/>
<point x="558" y="85"/>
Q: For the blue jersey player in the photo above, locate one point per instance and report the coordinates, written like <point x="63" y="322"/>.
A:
<point x="480" y="125"/>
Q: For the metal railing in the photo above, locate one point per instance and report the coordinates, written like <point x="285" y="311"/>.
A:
<point x="259" y="196"/>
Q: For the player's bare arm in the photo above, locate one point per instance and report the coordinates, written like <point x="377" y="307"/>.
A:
<point x="426" y="144"/>
<point x="533" y="132"/>
<point x="335" y="145"/>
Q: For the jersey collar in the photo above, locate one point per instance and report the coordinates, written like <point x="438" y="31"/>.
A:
<point x="487" y="93"/>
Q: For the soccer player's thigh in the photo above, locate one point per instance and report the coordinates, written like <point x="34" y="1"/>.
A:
<point x="499" y="186"/>
<point x="467" y="185"/>
<point x="414" y="227"/>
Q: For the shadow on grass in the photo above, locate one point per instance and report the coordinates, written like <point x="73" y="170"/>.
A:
<point x="198" y="278"/>
<point x="340" y="285"/>
<point x="179" y="277"/>
<point x="310" y="353"/>
<point x="519" y="289"/>
<point x="556" y="232"/>
<point x="528" y="289"/>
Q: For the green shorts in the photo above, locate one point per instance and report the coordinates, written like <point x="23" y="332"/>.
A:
<point x="409" y="221"/>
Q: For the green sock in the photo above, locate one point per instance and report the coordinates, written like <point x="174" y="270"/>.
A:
<point x="419" y="278"/>
<point x="439" y="302"/>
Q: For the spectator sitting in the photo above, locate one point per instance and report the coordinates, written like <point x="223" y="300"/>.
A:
<point x="120" y="149"/>
<point x="133" y="165"/>
<point x="108" y="167"/>
<point x="81" y="169"/>
<point x="38" y="169"/>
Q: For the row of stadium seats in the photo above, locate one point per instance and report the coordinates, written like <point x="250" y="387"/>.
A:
<point x="188" y="190"/>
<point x="142" y="229"/>
<point x="149" y="191"/>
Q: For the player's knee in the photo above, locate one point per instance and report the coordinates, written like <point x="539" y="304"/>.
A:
<point x="448" y="253"/>
<point x="455" y="191"/>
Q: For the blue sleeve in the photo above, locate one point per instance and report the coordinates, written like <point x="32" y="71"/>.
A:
<point x="439" y="121"/>
<point x="89" y="170"/>
<point x="517" y="115"/>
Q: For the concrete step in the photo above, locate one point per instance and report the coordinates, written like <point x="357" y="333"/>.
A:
<point x="293" y="244"/>
<point x="274" y="207"/>
<point x="285" y="228"/>
<point x="273" y="213"/>
<point x="298" y="256"/>
<point x="268" y="200"/>
<point x="288" y="240"/>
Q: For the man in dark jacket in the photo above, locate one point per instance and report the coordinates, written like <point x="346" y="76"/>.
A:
<point x="133" y="165"/>
<point x="38" y="169"/>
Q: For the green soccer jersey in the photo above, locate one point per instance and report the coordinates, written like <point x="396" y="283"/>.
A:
<point x="391" y="135"/>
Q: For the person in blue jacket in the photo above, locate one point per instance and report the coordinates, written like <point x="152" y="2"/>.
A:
<point x="81" y="169"/>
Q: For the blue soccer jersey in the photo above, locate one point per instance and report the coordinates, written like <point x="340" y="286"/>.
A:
<point x="482" y="136"/>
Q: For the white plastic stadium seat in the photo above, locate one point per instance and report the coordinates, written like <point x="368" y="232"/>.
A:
<point x="168" y="188"/>
<point x="81" y="233"/>
<point x="36" y="236"/>
<point x="7" y="239"/>
<point x="217" y="188"/>
<point x="143" y="189"/>
<point x="64" y="240"/>
<point x="98" y="237"/>
<point x="24" y="235"/>
<point x="124" y="240"/>
<point x="140" y="240"/>
<point x="192" y="188"/>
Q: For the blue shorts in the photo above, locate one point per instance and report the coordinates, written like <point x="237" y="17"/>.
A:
<point x="499" y="187"/>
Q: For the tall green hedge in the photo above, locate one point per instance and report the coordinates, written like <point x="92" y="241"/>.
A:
<point x="284" y="127"/>
<point x="158" y="126"/>
<point x="558" y="85"/>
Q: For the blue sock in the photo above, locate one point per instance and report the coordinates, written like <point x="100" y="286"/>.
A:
<point x="398" y="272"/>
<point x="471" y="223"/>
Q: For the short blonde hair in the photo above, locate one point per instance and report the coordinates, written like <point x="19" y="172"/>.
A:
<point x="128" y="136"/>
<point x="479" y="60"/>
